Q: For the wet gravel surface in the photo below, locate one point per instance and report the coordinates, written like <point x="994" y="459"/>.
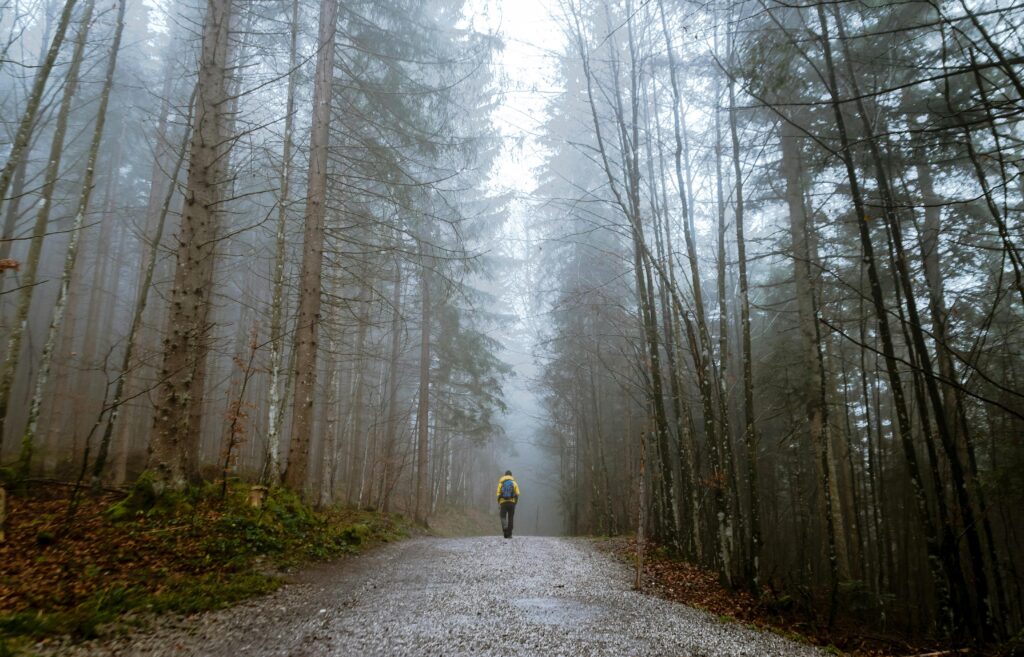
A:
<point x="468" y="596"/>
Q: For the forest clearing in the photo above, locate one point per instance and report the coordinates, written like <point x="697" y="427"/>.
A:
<point x="731" y="291"/>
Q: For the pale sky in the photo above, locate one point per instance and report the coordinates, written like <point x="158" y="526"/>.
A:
<point x="531" y="37"/>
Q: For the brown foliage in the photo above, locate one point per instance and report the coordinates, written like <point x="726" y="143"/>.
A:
<point x="41" y="567"/>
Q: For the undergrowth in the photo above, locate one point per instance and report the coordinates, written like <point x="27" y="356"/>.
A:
<point x="795" y="617"/>
<point x="122" y="560"/>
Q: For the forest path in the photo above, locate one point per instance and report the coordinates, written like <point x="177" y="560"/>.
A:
<point x="468" y="596"/>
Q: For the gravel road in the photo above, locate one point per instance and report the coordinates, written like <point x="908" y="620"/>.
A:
<point x="469" y="596"/>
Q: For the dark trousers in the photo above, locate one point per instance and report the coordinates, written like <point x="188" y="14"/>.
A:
<point x="508" y="512"/>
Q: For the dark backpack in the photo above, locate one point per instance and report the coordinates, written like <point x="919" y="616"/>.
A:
<point x="508" y="490"/>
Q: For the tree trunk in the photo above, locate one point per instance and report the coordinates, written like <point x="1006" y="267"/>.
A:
<point x="982" y="618"/>
<point x="308" y="323"/>
<point x="357" y="437"/>
<point x="272" y="472"/>
<point x="749" y="430"/>
<point x="31" y="270"/>
<point x="186" y="343"/>
<point x="56" y="321"/>
<point x="23" y="137"/>
<point x="422" y="505"/>
<point x="815" y="392"/>
<point x="389" y="475"/>
<point x="938" y="558"/>
<point x="141" y="300"/>
<point x="13" y="208"/>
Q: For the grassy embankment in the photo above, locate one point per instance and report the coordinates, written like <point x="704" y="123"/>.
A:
<point x="119" y="561"/>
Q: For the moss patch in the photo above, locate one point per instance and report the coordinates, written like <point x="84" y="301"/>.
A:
<point x="122" y="558"/>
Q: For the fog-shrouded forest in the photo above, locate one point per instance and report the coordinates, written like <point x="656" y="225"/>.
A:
<point x="743" y="280"/>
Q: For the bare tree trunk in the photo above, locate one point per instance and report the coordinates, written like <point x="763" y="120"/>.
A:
<point x="422" y="506"/>
<point x="641" y="544"/>
<point x="939" y="560"/>
<point x="356" y="437"/>
<point x="141" y="300"/>
<point x="700" y="340"/>
<point x="308" y="326"/>
<point x="23" y="137"/>
<point x="31" y="271"/>
<point x="272" y="473"/>
<point x="102" y="261"/>
<point x="27" y="442"/>
<point x="815" y="390"/>
<point x="728" y="457"/>
<point x="328" y="460"/>
<point x="749" y="429"/>
<point x="186" y="342"/>
<point x="13" y="212"/>
<point x="20" y="170"/>
<point x="390" y="438"/>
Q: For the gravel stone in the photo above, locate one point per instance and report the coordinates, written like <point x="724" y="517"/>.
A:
<point x="444" y="597"/>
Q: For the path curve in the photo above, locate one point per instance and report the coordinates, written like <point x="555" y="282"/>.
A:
<point x="445" y="597"/>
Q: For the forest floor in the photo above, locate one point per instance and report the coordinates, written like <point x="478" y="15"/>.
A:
<point x="679" y="581"/>
<point x="110" y="568"/>
<point x="480" y="596"/>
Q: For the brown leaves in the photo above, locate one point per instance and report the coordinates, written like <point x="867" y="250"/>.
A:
<point x="42" y="569"/>
<point x="674" y="579"/>
<point x="8" y="263"/>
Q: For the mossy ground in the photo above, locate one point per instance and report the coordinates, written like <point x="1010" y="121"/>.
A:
<point x="121" y="558"/>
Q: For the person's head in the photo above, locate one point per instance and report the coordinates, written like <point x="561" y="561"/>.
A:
<point x="508" y="473"/>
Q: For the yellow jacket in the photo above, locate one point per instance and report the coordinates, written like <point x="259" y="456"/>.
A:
<point x="514" y="485"/>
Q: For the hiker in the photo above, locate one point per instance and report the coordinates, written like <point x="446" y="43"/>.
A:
<point x="508" y="495"/>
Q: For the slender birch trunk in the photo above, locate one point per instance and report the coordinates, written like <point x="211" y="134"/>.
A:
<point x="699" y="339"/>
<point x="23" y="137"/>
<point x="20" y="170"/>
<point x="31" y="270"/>
<point x="56" y="321"/>
<point x="272" y="473"/>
